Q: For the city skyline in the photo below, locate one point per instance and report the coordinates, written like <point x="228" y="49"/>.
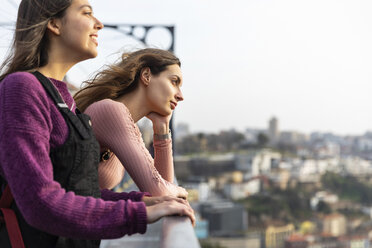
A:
<point x="266" y="129"/>
<point x="307" y="63"/>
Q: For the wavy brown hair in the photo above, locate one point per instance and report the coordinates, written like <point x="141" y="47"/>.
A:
<point x="123" y="77"/>
<point x="30" y="42"/>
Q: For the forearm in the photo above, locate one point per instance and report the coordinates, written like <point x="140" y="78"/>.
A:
<point x="163" y="158"/>
<point x="109" y="195"/>
<point x="140" y="167"/>
<point x="115" y="130"/>
<point x="48" y="207"/>
<point x="160" y="128"/>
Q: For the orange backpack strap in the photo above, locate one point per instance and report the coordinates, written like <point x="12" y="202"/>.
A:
<point x="10" y="219"/>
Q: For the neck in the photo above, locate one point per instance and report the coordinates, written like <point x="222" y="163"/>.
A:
<point x="54" y="70"/>
<point x="135" y="104"/>
<point x="59" y="62"/>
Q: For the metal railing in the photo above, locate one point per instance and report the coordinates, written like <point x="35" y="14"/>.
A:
<point x="178" y="233"/>
<point x="169" y="232"/>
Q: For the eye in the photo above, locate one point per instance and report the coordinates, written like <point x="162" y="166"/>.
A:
<point x="88" y="13"/>
<point x="175" y="81"/>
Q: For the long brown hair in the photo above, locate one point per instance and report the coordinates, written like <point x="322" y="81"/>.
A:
<point x="122" y="77"/>
<point x="30" y="42"/>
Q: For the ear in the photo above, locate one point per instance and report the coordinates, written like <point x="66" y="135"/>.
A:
<point x="145" y="76"/>
<point x="54" y="26"/>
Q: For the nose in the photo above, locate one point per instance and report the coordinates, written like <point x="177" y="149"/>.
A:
<point x="179" y="96"/>
<point x="98" y="25"/>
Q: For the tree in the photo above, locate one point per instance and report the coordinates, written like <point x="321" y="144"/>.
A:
<point x="323" y="207"/>
<point x="262" y="140"/>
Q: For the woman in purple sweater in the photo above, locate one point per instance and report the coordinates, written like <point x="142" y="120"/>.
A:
<point x="48" y="153"/>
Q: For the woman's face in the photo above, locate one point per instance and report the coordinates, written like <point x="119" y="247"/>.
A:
<point x="164" y="92"/>
<point x="79" y="31"/>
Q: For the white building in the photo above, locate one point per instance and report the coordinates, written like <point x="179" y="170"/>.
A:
<point x="356" y="166"/>
<point x="312" y="169"/>
<point x="257" y="163"/>
<point x="242" y="190"/>
<point x="323" y="196"/>
<point x="292" y="138"/>
<point x="335" y="225"/>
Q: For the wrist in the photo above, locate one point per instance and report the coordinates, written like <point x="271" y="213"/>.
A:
<point x="161" y="129"/>
<point x="163" y="136"/>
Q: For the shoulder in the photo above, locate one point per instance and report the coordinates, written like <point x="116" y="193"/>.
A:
<point x="22" y="84"/>
<point x="24" y="103"/>
<point x="107" y="107"/>
<point x="111" y="119"/>
<point x="21" y="75"/>
<point x="107" y="103"/>
<point x="19" y="78"/>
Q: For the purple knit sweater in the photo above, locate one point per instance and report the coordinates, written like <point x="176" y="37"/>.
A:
<point x="31" y="124"/>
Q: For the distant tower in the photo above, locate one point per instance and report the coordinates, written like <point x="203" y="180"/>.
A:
<point x="273" y="131"/>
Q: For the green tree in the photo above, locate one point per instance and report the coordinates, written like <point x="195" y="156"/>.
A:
<point x="348" y="187"/>
<point x="262" y="140"/>
<point x="323" y="208"/>
<point x="209" y="244"/>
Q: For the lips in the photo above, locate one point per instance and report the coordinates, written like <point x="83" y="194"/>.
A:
<point x="94" y="38"/>
<point x="173" y="105"/>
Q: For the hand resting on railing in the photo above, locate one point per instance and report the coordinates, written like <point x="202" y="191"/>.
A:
<point x="160" y="206"/>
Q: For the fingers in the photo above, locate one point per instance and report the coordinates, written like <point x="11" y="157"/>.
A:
<point x="152" y="200"/>
<point x="176" y="206"/>
<point x="175" y="198"/>
<point x="182" y="209"/>
<point x="189" y="212"/>
<point x="182" y="193"/>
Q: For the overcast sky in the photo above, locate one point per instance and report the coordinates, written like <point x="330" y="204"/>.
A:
<point x="309" y="63"/>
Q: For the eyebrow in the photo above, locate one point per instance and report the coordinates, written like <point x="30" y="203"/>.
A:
<point x="86" y="5"/>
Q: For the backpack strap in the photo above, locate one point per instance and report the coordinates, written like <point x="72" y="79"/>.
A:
<point x="62" y="106"/>
<point x="10" y="219"/>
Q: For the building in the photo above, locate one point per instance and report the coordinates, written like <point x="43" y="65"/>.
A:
<point x="334" y="225"/>
<point x="251" y="134"/>
<point x="225" y="218"/>
<point x="324" y="197"/>
<point x="292" y="138"/>
<point x="199" y="189"/>
<point x="242" y="190"/>
<point x="182" y="130"/>
<point x="274" y="131"/>
<point x="204" y="166"/>
<point x="257" y="163"/>
<point x="296" y="241"/>
<point x="276" y="236"/>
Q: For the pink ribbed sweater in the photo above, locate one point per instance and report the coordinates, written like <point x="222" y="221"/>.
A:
<point x="115" y="130"/>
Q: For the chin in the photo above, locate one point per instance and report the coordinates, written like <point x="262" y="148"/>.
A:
<point x="93" y="55"/>
<point x="90" y="54"/>
<point x="165" y="112"/>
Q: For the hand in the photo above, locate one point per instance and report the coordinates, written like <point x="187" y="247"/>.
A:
<point x="160" y="123"/>
<point x="182" y="193"/>
<point x="174" y="207"/>
<point x="152" y="200"/>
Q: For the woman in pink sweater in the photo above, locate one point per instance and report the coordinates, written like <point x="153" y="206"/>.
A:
<point x="143" y="83"/>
